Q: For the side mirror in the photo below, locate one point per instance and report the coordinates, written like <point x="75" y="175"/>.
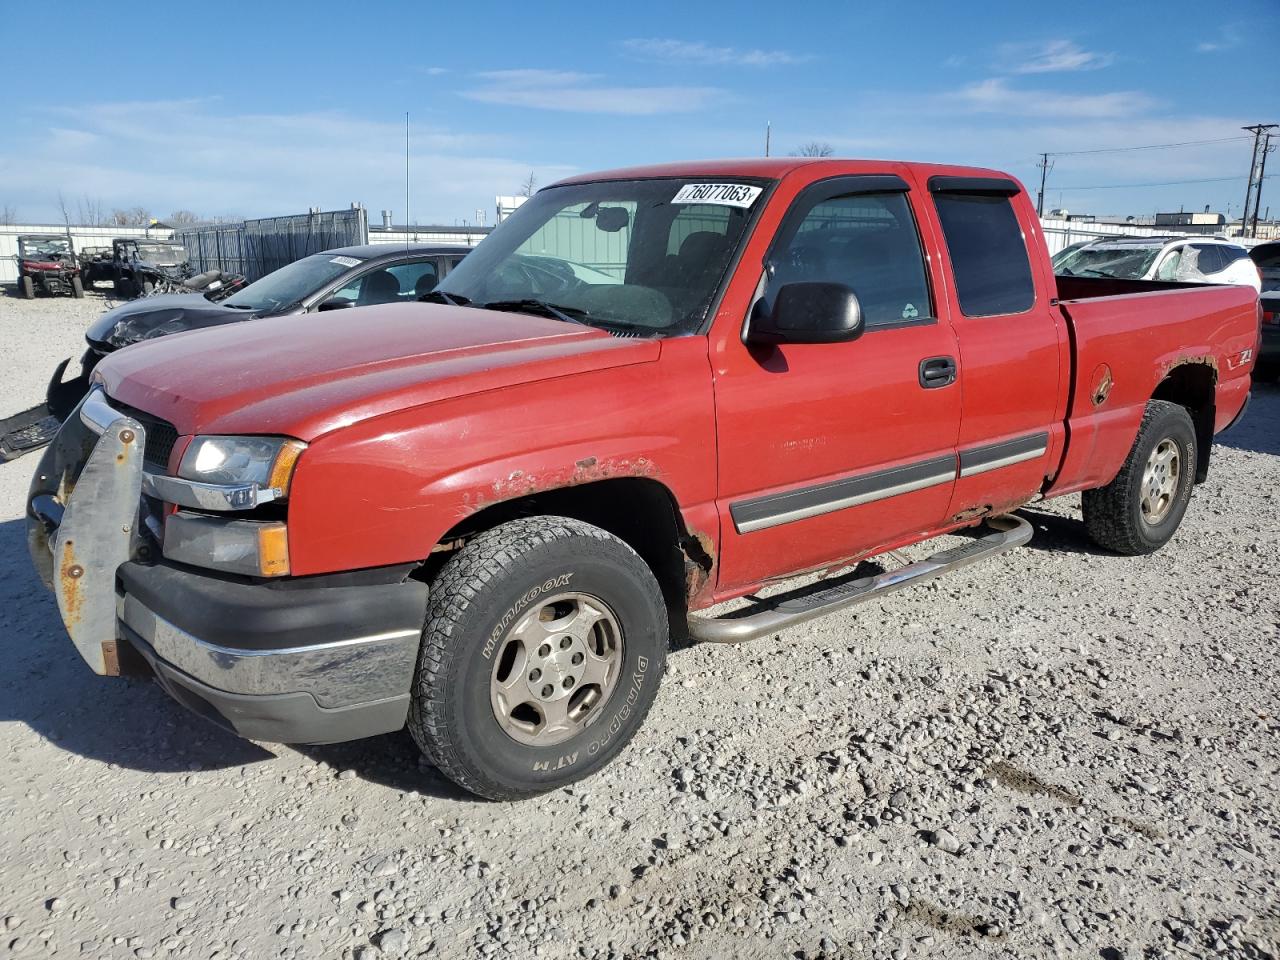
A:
<point x="808" y="313"/>
<point x="336" y="303"/>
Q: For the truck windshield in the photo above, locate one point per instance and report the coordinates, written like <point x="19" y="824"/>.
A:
<point x="640" y="255"/>
<point x="284" y="287"/>
<point x="1123" y="261"/>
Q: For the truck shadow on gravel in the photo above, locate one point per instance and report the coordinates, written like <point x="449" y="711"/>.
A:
<point x="1256" y="430"/>
<point x="46" y="686"/>
<point x="1058" y="534"/>
<point x="131" y="722"/>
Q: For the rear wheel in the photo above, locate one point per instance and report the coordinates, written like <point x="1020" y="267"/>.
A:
<point x="1140" y="509"/>
<point x="544" y="644"/>
<point x="27" y="287"/>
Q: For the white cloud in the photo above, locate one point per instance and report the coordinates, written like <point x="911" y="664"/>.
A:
<point x="997" y="96"/>
<point x="584" y="93"/>
<point x="1054" y="56"/>
<point x="251" y="164"/>
<point x="1228" y="38"/>
<point x="700" y="52"/>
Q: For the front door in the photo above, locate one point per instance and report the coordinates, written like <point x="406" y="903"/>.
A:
<point x="831" y="450"/>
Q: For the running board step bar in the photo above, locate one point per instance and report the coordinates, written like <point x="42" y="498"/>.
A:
<point x="779" y="614"/>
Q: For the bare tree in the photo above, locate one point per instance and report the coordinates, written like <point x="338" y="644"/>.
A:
<point x="529" y="186"/>
<point x="814" y="148"/>
<point x="8" y="214"/>
<point x="89" y="211"/>
<point x="182" y="218"/>
<point x="133" y="217"/>
<point x="62" y="208"/>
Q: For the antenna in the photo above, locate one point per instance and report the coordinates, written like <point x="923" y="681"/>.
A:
<point x="406" y="180"/>
<point x="768" y="129"/>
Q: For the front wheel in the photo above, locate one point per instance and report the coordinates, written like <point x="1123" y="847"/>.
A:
<point x="27" y="287"/>
<point x="544" y="644"/>
<point x="77" y="288"/>
<point x="1140" y="509"/>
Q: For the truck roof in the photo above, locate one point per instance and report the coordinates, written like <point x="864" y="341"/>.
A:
<point x="770" y="168"/>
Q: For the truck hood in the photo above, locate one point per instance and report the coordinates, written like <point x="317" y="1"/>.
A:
<point x="157" y="317"/>
<point x="305" y="375"/>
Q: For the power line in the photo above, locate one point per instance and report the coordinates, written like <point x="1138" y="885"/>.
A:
<point x="1149" y="146"/>
<point x="1166" y="183"/>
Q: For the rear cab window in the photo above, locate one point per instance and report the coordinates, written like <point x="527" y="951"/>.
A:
<point x="984" y="240"/>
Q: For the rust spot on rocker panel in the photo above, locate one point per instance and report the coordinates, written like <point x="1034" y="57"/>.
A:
<point x="699" y="567"/>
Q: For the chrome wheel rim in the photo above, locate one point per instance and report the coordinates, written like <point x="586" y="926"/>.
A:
<point x="1160" y="481"/>
<point x="555" y="669"/>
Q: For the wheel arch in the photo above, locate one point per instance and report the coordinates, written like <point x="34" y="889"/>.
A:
<point x="640" y="511"/>
<point x="1192" y="384"/>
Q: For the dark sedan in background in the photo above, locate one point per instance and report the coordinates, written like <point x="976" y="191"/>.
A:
<point x="345" y="277"/>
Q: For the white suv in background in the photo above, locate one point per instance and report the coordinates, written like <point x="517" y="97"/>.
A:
<point x="1187" y="259"/>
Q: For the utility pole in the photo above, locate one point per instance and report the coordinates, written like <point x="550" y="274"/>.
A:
<point x="1257" y="169"/>
<point x="1262" y="176"/>
<point x="1045" y="166"/>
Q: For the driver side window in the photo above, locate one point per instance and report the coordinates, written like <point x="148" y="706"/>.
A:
<point x="867" y="242"/>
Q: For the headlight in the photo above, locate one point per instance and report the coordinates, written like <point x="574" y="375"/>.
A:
<point x="266" y="461"/>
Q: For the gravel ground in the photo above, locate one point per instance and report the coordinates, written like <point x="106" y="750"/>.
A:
<point x="1057" y="753"/>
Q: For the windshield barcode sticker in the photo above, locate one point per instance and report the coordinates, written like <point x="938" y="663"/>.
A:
<point x="722" y="194"/>
<point x="345" y="261"/>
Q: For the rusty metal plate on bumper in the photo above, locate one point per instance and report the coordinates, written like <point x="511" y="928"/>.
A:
<point x="92" y="474"/>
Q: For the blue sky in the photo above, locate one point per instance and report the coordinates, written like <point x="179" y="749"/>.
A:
<point x="265" y="109"/>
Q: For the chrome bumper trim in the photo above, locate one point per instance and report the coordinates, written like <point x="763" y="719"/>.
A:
<point x="338" y="673"/>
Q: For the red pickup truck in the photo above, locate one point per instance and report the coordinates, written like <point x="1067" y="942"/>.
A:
<point x="648" y="392"/>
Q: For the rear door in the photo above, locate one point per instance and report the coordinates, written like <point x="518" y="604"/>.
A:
<point x="1012" y="342"/>
<point x="832" y="450"/>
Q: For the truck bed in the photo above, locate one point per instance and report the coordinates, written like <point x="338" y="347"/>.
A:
<point x="1127" y="337"/>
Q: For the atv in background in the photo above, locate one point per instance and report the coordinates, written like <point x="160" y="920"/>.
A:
<point x="95" y="265"/>
<point x="47" y="263"/>
<point x="139" y="265"/>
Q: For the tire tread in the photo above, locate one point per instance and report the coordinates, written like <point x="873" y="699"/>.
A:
<point x="485" y="558"/>
<point x="1109" y="516"/>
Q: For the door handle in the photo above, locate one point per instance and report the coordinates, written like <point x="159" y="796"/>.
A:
<point x="937" y="372"/>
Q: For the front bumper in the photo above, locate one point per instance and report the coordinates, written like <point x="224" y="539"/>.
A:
<point x="311" y="660"/>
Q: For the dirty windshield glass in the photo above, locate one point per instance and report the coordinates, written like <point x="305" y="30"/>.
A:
<point x="162" y="253"/>
<point x="1123" y="261"/>
<point x="644" y="256"/>
<point x="289" y="285"/>
<point x="45" y="246"/>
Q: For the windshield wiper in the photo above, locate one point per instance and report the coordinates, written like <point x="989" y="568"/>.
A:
<point x="439" y="296"/>
<point x="530" y="305"/>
